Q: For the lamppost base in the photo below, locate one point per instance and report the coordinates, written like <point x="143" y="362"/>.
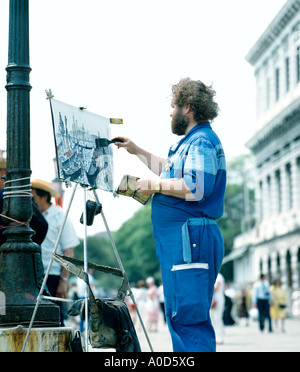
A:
<point x="40" y="340"/>
<point x="20" y="291"/>
<point x="47" y="316"/>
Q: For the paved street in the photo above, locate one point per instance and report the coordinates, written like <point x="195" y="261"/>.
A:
<point x="238" y="339"/>
<point x="250" y="339"/>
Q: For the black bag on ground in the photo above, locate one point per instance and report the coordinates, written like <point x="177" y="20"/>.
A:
<point x="110" y="324"/>
<point x="76" y="344"/>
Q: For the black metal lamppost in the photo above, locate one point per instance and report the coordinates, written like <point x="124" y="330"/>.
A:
<point x="20" y="258"/>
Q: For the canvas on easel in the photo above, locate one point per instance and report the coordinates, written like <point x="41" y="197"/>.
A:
<point x="80" y="158"/>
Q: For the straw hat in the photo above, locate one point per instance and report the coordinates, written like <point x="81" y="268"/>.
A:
<point x="45" y="186"/>
<point x="2" y="163"/>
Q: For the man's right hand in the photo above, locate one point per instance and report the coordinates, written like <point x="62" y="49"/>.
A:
<point x="154" y="163"/>
<point x="127" y="144"/>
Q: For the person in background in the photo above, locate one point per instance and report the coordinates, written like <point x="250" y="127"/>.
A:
<point x="261" y="297"/>
<point x="229" y="305"/>
<point x="141" y="299"/>
<point x="130" y="303"/>
<point x="2" y="172"/>
<point x="243" y="307"/>
<point x="162" y="301"/>
<point x="217" y="309"/>
<point x="279" y="304"/>
<point x="152" y="305"/>
<point x="57" y="281"/>
<point x="38" y="223"/>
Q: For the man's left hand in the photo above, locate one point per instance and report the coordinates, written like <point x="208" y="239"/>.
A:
<point x="147" y="186"/>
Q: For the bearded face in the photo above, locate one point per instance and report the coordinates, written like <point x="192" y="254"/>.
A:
<point x="179" y="121"/>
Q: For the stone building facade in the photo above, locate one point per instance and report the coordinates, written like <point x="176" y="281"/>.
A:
<point x="273" y="246"/>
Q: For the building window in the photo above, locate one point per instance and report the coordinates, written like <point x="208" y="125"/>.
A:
<point x="270" y="278"/>
<point x="268" y="197"/>
<point x="278" y="265"/>
<point x="289" y="270"/>
<point x="287" y="74"/>
<point x="297" y="179"/>
<point x="298" y="63"/>
<point x="298" y="266"/>
<point x="261" y="267"/>
<point x="288" y="176"/>
<point x="268" y="93"/>
<point x="261" y="203"/>
<point x="278" y="187"/>
<point x="277" y="85"/>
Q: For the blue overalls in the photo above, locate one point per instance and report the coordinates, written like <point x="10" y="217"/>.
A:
<point x="188" y="241"/>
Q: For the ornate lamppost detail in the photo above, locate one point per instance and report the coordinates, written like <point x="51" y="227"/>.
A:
<point x="20" y="258"/>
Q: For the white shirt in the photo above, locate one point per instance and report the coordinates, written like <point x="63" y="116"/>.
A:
<point x="219" y="293"/>
<point x="261" y="291"/>
<point x="161" y="294"/>
<point x="55" y="215"/>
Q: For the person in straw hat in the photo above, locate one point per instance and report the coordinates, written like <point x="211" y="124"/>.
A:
<point x="57" y="282"/>
<point x="37" y="223"/>
<point x="2" y="172"/>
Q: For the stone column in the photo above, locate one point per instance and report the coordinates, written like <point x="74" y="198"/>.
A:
<point x="295" y="174"/>
<point x="284" y="189"/>
<point x="294" y="265"/>
<point x="274" y="195"/>
<point x="283" y="267"/>
<point x="258" y="203"/>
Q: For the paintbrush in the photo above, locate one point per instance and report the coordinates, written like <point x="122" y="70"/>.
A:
<point x="104" y="142"/>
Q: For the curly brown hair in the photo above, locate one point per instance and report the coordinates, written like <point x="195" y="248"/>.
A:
<point x="199" y="96"/>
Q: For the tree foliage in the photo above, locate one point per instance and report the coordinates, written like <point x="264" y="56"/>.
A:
<point x="136" y="246"/>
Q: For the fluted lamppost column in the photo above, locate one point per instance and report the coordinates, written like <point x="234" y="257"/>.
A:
<point x="20" y="258"/>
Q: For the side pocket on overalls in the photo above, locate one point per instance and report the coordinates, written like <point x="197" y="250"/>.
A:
<point x="191" y="279"/>
<point x="190" y="299"/>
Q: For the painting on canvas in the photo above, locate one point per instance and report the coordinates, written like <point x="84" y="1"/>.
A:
<point x="80" y="158"/>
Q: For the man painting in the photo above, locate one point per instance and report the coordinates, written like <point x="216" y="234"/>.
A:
<point x="188" y="191"/>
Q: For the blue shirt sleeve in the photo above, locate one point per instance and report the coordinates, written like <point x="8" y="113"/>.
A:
<point x="200" y="169"/>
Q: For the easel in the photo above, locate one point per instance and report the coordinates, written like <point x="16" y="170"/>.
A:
<point x="86" y="295"/>
<point x="85" y="260"/>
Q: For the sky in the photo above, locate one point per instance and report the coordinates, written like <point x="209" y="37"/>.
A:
<point x="120" y="58"/>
